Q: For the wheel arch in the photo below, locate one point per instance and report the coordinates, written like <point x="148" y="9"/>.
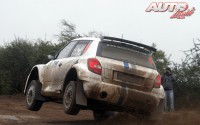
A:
<point x="72" y="75"/>
<point x="35" y="74"/>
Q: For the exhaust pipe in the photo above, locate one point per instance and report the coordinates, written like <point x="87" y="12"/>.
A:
<point x="103" y="94"/>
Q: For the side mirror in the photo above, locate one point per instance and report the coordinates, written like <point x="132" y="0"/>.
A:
<point x="50" y="57"/>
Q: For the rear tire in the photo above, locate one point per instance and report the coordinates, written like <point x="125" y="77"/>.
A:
<point x="32" y="93"/>
<point x="69" y="99"/>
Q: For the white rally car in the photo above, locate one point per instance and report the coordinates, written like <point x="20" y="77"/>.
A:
<point x="101" y="74"/>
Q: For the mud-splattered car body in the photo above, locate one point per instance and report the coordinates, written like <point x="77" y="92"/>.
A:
<point x="117" y="84"/>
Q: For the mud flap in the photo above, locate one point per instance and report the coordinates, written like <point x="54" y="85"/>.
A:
<point x="41" y="98"/>
<point x="39" y="95"/>
<point x="81" y="99"/>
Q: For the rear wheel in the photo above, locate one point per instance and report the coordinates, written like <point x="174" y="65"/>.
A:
<point x="32" y="92"/>
<point x="69" y="99"/>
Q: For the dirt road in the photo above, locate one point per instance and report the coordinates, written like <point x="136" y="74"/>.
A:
<point x="13" y="111"/>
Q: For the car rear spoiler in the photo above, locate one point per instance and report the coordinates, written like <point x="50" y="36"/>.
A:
<point x="119" y="40"/>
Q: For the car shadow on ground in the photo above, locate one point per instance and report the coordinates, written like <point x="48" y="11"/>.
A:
<point x="115" y="121"/>
<point x="78" y="122"/>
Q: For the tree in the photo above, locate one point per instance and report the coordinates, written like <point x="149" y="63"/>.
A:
<point x="14" y="65"/>
<point x="93" y="34"/>
<point x="41" y="50"/>
<point x="187" y="86"/>
<point x="16" y="60"/>
<point x="161" y="60"/>
<point x="67" y="33"/>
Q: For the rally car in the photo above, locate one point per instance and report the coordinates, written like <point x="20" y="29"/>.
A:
<point x="103" y="74"/>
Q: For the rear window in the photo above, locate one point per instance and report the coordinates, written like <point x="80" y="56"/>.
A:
<point x="126" y="53"/>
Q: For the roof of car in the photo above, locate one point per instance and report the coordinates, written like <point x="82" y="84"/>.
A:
<point x="119" y="40"/>
<point x="87" y="38"/>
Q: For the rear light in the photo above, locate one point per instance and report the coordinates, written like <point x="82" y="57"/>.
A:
<point x="86" y="48"/>
<point x="157" y="82"/>
<point x="94" y="66"/>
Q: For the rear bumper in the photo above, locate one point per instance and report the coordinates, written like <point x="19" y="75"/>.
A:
<point x="122" y="97"/>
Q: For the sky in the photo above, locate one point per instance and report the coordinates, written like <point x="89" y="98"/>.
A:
<point x="34" y="19"/>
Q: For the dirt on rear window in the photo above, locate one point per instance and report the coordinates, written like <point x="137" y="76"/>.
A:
<point x="126" y="53"/>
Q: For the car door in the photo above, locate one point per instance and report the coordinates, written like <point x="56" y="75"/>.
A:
<point x="65" y="64"/>
<point x="52" y="66"/>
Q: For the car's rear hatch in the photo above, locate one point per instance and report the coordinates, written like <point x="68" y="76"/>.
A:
<point x="126" y="65"/>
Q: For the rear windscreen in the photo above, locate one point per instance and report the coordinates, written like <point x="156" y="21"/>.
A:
<point x="125" y="53"/>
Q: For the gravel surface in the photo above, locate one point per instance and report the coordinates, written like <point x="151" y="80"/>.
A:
<point x="13" y="112"/>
